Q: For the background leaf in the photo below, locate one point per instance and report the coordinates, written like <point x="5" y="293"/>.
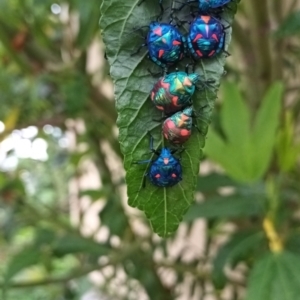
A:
<point x="164" y="207"/>
<point x="264" y="130"/>
<point x="74" y="243"/>
<point x="290" y="26"/>
<point x="275" y="277"/>
<point x="225" y="207"/>
<point x="214" y="181"/>
<point x="246" y="153"/>
<point x="24" y="259"/>
<point x="287" y="149"/>
<point x="235" y="116"/>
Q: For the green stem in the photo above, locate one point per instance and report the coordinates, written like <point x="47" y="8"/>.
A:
<point x="115" y="258"/>
<point x="77" y="273"/>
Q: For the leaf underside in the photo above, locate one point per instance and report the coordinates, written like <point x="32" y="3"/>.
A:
<point x="164" y="207"/>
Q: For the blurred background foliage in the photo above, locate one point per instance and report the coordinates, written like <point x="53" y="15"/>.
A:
<point x="66" y="230"/>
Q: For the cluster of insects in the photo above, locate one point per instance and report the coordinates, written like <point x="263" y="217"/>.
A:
<point x="172" y="93"/>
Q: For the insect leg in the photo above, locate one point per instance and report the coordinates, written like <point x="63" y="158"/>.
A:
<point x="139" y="49"/>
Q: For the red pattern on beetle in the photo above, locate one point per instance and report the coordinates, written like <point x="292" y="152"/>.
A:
<point x="174" y="100"/>
<point x="205" y="19"/>
<point x="199" y="53"/>
<point x="185" y="132"/>
<point x="214" y="36"/>
<point x="161" y="53"/>
<point x="158" y="31"/>
<point x="212" y="53"/>
<point x="175" y="43"/>
<point x="170" y="124"/>
<point x="198" y="36"/>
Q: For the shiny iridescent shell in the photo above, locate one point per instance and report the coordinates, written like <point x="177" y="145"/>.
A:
<point x="165" y="43"/>
<point x="177" y="128"/>
<point x="166" y="170"/>
<point x="206" y="6"/>
<point x="206" y="37"/>
<point x="173" y="92"/>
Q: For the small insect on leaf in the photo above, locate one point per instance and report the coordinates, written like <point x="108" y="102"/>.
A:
<point x="169" y="189"/>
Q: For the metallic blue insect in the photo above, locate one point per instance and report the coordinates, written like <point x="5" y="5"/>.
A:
<point x="165" y="44"/>
<point x="207" y="6"/>
<point x="206" y="37"/>
<point x="165" y="170"/>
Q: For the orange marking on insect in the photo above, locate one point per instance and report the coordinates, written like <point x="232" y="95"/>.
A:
<point x="169" y="125"/>
<point x="157" y="176"/>
<point x="211" y="53"/>
<point x="199" y="53"/>
<point x="205" y="19"/>
<point x="175" y="43"/>
<point x="184" y="117"/>
<point x="161" y="53"/>
<point x="187" y="82"/>
<point x="185" y="132"/>
<point x="198" y="36"/>
<point x="214" y="36"/>
<point x="165" y="85"/>
<point x="174" y="100"/>
<point x="166" y="160"/>
<point x="159" y="107"/>
<point x="158" y="31"/>
<point x="174" y="175"/>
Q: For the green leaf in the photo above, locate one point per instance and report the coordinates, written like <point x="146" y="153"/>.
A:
<point x="275" y="277"/>
<point x="220" y="152"/>
<point x="214" y="181"/>
<point x="264" y="131"/>
<point x="44" y="236"/>
<point x="246" y="153"/>
<point x="70" y="244"/>
<point x="76" y="93"/>
<point x="24" y="259"/>
<point x="293" y="243"/>
<point x="236" y="126"/>
<point x="290" y="26"/>
<point x="117" y="226"/>
<point x="88" y="21"/>
<point x="240" y="247"/>
<point x="164" y="207"/>
<point x="287" y="149"/>
<point x="226" y="207"/>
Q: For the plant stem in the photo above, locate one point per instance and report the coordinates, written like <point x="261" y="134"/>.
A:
<point x="77" y="273"/>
